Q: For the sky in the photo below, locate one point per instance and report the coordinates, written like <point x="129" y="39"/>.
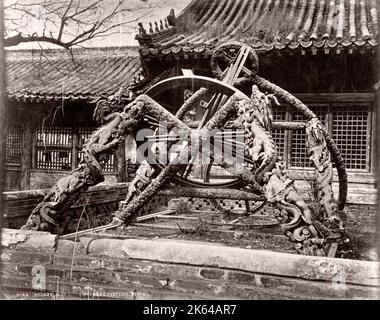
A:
<point x="124" y="35"/>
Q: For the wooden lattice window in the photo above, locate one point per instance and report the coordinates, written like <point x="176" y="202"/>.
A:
<point x="13" y="146"/>
<point x="279" y="136"/>
<point x="54" y="148"/>
<point x="60" y="148"/>
<point x="351" y="132"/>
<point x="349" y="124"/>
<point x="83" y="135"/>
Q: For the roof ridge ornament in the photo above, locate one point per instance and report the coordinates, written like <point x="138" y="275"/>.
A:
<point x="171" y="18"/>
<point x="141" y="28"/>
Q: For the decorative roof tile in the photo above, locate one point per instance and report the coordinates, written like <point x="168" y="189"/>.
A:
<point x="57" y="76"/>
<point x="271" y="24"/>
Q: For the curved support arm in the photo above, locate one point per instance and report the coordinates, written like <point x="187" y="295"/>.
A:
<point x="48" y="215"/>
<point x="335" y="153"/>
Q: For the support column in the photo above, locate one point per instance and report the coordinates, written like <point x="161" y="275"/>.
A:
<point x="130" y="156"/>
<point x="26" y="156"/>
<point x="120" y="157"/>
<point x="3" y="126"/>
<point x="74" y="150"/>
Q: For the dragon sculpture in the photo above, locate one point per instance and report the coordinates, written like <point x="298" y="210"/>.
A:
<point x="310" y="222"/>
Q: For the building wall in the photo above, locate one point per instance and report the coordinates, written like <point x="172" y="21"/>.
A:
<point x="339" y="88"/>
<point x="44" y="144"/>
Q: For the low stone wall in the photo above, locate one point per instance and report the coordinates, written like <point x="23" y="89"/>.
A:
<point x="43" y="179"/>
<point x="38" y="265"/>
<point x="95" y="206"/>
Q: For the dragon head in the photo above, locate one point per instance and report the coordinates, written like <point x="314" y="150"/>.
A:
<point x="132" y="114"/>
<point x="107" y="105"/>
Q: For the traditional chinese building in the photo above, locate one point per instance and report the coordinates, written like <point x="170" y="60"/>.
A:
<point x="49" y="96"/>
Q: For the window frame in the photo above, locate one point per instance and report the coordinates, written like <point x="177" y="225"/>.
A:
<point x="75" y="150"/>
<point x="53" y="147"/>
<point x="13" y="146"/>
<point x="329" y="101"/>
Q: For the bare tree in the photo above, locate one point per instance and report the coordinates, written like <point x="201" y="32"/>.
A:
<point x="68" y="23"/>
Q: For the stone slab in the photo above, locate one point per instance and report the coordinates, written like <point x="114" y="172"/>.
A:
<point x="258" y="261"/>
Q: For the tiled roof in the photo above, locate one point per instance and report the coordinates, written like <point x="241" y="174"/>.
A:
<point x="268" y="25"/>
<point x="55" y="76"/>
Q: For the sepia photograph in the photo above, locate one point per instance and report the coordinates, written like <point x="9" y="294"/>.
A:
<point x="211" y="151"/>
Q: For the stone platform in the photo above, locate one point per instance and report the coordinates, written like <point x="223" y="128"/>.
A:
<point x="39" y="265"/>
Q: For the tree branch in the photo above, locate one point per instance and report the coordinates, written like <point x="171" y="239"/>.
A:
<point x="65" y="23"/>
<point x="16" y="40"/>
